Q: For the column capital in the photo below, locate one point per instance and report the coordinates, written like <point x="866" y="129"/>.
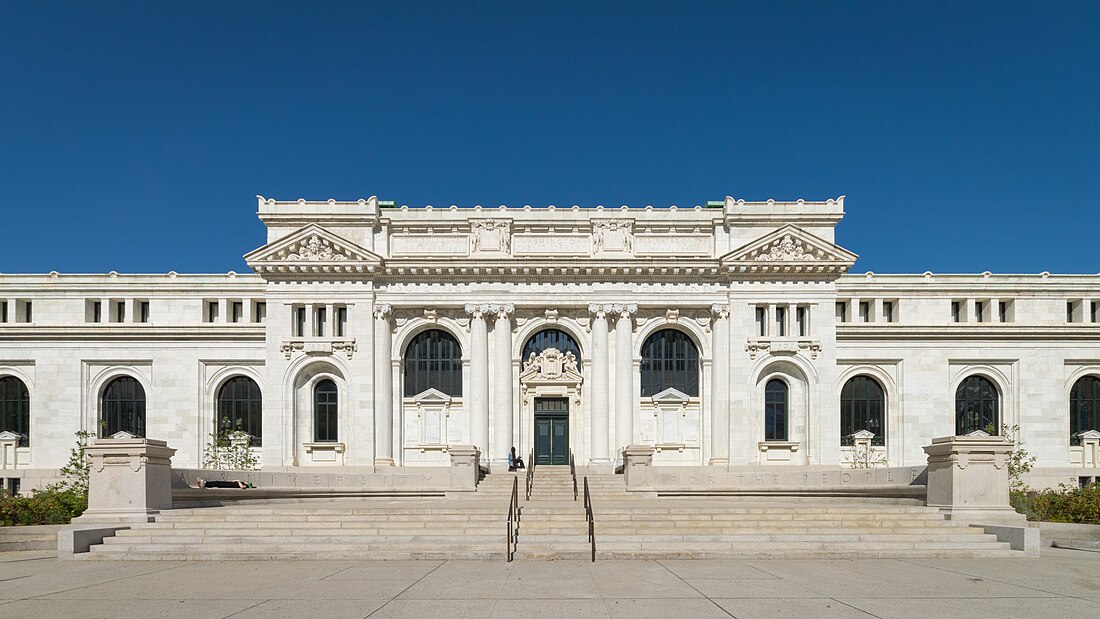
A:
<point x="601" y="310"/>
<point x="382" y="310"/>
<point x="500" y="310"/>
<point x="720" y="310"/>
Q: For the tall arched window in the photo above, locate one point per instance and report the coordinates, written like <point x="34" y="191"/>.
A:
<point x="15" y="409"/>
<point x="776" y="400"/>
<point x="240" y="407"/>
<point x="325" y="411"/>
<point x="670" y="359"/>
<point x="862" y="407"/>
<point x="551" y="338"/>
<point x="977" y="406"/>
<point x="1084" y="407"/>
<point x="433" y="360"/>
<point x="122" y="407"/>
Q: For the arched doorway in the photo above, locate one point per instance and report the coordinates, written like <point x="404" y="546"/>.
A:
<point x="550" y="387"/>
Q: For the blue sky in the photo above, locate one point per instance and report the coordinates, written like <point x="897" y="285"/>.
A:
<point x="134" y="136"/>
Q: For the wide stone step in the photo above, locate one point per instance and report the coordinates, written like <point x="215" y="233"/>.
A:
<point x="350" y="540"/>
<point x="336" y="555"/>
<point x="792" y="545"/>
<point x="298" y="547"/>
<point x="846" y="553"/>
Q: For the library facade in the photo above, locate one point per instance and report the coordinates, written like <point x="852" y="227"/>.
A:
<point x="372" y="337"/>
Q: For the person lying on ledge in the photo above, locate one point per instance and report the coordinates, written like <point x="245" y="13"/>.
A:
<point x="213" y="483"/>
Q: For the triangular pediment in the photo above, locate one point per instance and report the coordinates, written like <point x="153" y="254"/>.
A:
<point x="863" y="435"/>
<point x="671" y="396"/>
<point x="790" y="246"/>
<point x="432" y="396"/>
<point x="312" y="249"/>
<point x="8" y="435"/>
<point x="1087" y="434"/>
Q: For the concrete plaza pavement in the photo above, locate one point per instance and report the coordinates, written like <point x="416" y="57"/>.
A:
<point x="1063" y="583"/>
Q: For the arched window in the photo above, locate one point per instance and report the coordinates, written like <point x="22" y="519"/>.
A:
<point x="670" y="359"/>
<point x="433" y="360"/>
<point x="776" y="401"/>
<point x="325" y="411"/>
<point x="551" y="338"/>
<point x="122" y="407"/>
<point x="240" y="408"/>
<point x="15" y="409"/>
<point x="1084" y="407"/>
<point x="862" y="407"/>
<point x="976" y="406"/>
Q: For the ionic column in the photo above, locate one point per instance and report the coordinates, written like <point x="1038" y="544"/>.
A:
<point x="479" y="376"/>
<point x="719" y="386"/>
<point x="624" y="376"/>
<point x="600" y="400"/>
<point x="383" y="386"/>
<point x="502" y="386"/>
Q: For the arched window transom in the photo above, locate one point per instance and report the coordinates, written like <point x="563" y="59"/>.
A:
<point x="862" y="407"/>
<point x="325" y="411"/>
<point x="670" y="359"/>
<point x="433" y="360"/>
<point x="1084" y="407"/>
<point x="551" y="338"/>
<point x="240" y="408"/>
<point x="122" y="407"/>
<point x="15" y="409"/>
<point x="977" y="405"/>
<point x="776" y="401"/>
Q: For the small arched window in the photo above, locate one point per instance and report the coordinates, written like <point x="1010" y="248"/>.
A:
<point x="776" y="400"/>
<point x="670" y="359"/>
<point x="15" y="409"/>
<point x="551" y="338"/>
<point x="433" y="360"/>
<point x="122" y="407"/>
<point x="977" y="406"/>
<point x="240" y="408"/>
<point x="1084" y="407"/>
<point x="862" y="407"/>
<point x="325" y="411"/>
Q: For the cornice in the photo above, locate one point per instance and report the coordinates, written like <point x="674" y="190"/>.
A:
<point x="1002" y="332"/>
<point x="132" y="332"/>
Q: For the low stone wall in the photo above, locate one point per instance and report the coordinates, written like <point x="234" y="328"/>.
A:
<point x="1067" y="532"/>
<point x="1050" y="477"/>
<point x="39" y="537"/>
<point x="428" y="478"/>
<point x="822" y="480"/>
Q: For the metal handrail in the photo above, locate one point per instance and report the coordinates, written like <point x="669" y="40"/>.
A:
<point x="573" y="472"/>
<point x="530" y="481"/>
<point x="590" y="518"/>
<point x="513" y="520"/>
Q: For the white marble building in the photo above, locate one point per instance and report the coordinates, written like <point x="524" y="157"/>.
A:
<point x="725" y="335"/>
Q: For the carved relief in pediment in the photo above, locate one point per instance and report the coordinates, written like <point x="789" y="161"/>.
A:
<point x="311" y="245"/>
<point x="551" y="364"/>
<point x="791" y="244"/>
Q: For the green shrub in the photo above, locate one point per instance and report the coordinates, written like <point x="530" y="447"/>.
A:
<point x="1066" y="504"/>
<point x="42" y="507"/>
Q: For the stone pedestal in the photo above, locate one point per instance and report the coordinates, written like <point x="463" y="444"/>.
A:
<point x="637" y="466"/>
<point x="968" y="479"/>
<point x="465" y="468"/>
<point x="129" y="481"/>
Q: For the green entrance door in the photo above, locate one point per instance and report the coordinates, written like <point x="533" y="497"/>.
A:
<point x="551" y="431"/>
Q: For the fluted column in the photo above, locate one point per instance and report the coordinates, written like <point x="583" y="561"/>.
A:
<point x="502" y="386"/>
<point x="624" y="376"/>
<point x="719" y="386"/>
<point x="600" y="402"/>
<point x="383" y="386"/>
<point x="479" y="377"/>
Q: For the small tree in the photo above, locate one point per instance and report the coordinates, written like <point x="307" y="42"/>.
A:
<point x="1019" y="460"/>
<point x="229" y="449"/>
<point x="74" y="475"/>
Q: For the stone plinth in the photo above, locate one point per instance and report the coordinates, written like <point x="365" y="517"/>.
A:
<point x="638" y="466"/>
<point x="465" y="468"/>
<point x="968" y="479"/>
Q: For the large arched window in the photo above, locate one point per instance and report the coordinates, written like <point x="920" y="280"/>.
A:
<point x="551" y="338"/>
<point x="15" y="409"/>
<point x="1084" y="407"/>
<point x="977" y="406"/>
<point x="325" y="411"/>
<point x="776" y="401"/>
<point x="433" y="360"/>
<point x="122" y="407"/>
<point x="240" y="407"/>
<point x="670" y="359"/>
<point x="862" y="407"/>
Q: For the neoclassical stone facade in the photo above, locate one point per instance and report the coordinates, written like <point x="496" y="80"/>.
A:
<point x="727" y="335"/>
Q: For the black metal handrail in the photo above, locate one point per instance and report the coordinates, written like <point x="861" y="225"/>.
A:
<point x="590" y="518"/>
<point x="529" y="483"/>
<point x="513" y="520"/>
<point x="573" y="472"/>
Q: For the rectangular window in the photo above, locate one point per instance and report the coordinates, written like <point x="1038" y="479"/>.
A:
<point x="143" y="311"/>
<point x="865" y="311"/>
<point x="23" y="311"/>
<point x="979" y="311"/>
<point x="319" y="321"/>
<point x="299" y="321"/>
<point x="259" y="313"/>
<point x="841" y="311"/>
<point x="801" y="314"/>
<point x="1093" y="313"/>
<point x="118" y="311"/>
<point x="3" y="311"/>
<point x="93" y="311"/>
<point x="781" y="321"/>
<point x="761" y="321"/>
<point x="211" y="311"/>
<point x="1002" y="311"/>
<point x="888" y="311"/>
<point x="1069" y="311"/>
<point x="237" y="311"/>
<point x="341" y="321"/>
<point x="956" y="312"/>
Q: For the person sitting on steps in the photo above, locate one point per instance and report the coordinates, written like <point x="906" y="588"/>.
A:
<point x="514" y="461"/>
